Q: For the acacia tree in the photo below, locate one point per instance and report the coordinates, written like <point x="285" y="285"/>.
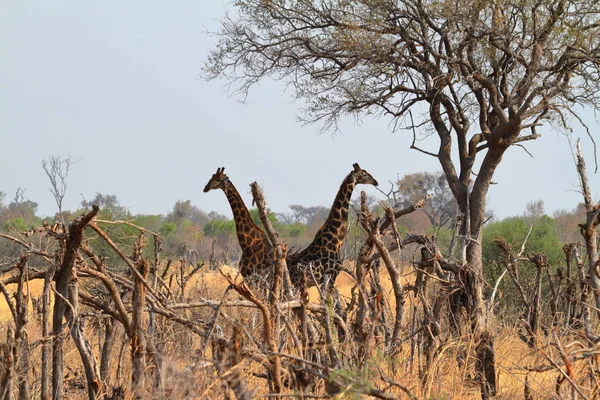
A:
<point x="481" y="74"/>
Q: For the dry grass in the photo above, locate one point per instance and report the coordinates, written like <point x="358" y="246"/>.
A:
<point x="448" y="380"/>
<point x="183" y="349"/>
<point x="36" y="288"/>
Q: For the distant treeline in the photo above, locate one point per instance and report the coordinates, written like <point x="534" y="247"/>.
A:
<point x="209" y="237"/>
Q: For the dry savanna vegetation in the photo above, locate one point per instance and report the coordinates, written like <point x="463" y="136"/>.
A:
<point x="99" y="304"/>
<point x="517" y="361"/>
<point x="135" y="325"/>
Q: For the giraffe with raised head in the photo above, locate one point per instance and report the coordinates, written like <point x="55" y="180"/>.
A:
<point x="256" y="249"/>
<point x="322" y="257"/>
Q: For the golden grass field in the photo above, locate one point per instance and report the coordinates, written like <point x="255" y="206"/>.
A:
<point x="448" y="380"/>
<point x="36" y="287"/>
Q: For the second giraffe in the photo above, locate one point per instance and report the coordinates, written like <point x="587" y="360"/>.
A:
<point x="321" y="258"/>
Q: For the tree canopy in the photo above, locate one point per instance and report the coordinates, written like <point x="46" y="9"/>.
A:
<point x="486" y="72"/>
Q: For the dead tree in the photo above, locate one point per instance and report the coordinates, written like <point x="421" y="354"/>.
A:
<point x="589" y="229"/>
<point x="138" y="338"/>
<point x="71" y="244"/>
<point x="570" y="303"/>
<point x="143" y="292"/>
<point x="57" y="170"/>
<point x="373" y="228"/>
<point x="46" y="345"/>
<point x="531" y="302"/>
<point x="91" y="368"/>
<point x="17" y="341"/>
<point x="153" y="332"/>
<point x="8" y="354"/>
<point x="268" y="332"/>
<point x="541" y="263"/>
<point x="370" y="252"/>
<point x="228" y="359"/>
<point x="112" y="334"/>
<point x="21" y="335"/>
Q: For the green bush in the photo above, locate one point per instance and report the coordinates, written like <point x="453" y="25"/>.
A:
<point x="215" y="227"/>
<point x="443" y="237"/>
<point x="17" y="224"/>
<point x="543" y="239"/>
<point x="513" y="230"/>
<point x="151" y="222"/>
<point x="167" y="228"/>
<point x="294" y="230"/>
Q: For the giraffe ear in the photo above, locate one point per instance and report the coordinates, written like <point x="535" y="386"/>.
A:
<point x="356" y="167"/>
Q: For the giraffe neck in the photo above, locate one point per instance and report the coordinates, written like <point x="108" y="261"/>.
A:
<point x="245" y="228"/>
<point x="333" y="231"/>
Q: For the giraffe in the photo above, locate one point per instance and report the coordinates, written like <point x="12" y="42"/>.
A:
<point x="256" y="249"/>
<point x="323" y="254"/>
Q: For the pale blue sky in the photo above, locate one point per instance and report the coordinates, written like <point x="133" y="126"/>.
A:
<point x="115" y="85"/>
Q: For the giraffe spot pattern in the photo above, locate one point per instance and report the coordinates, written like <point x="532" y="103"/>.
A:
<point x="255" y="260"/>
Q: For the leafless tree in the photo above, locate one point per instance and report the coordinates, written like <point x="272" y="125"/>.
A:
<point x="21" y="352"/>
<point x="72" y="242"/>
<point x="8" y="351"/>
<point x="589" y="229"/>
<point x="535" y="209"/>
<point x="18" y="200"/>
<point x="57" y="169"/>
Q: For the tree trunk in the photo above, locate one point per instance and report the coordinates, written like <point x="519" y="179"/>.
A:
<point x="484" y="348"/>
<point x="589" y="229"/>
<point x="227" y="358"/>
<point x="124" y="340"/>
<point x="362" y="323"/>
<point x="62" y="278"/>
<point x="484" y="339"/>
<point x="45" y="384"/>
<point x="153" y="333"/>
<point x="138" y="339"/>
<point x="112" y="333"/>
<point x="591" y="245"/>
<point x="57" y="356"/>
<point x="540" y="262"/>
<point x="8" y="353"/>
<point x="88" y="359"/>
<point x="394" y="273"/>
<point x="21" y="335"/>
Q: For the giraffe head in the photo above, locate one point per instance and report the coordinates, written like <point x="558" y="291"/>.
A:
<point x="361" y="176"/>
<point x="218" y="180"/>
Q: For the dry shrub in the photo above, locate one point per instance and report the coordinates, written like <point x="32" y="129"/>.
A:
<point x="188" y="372"/>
